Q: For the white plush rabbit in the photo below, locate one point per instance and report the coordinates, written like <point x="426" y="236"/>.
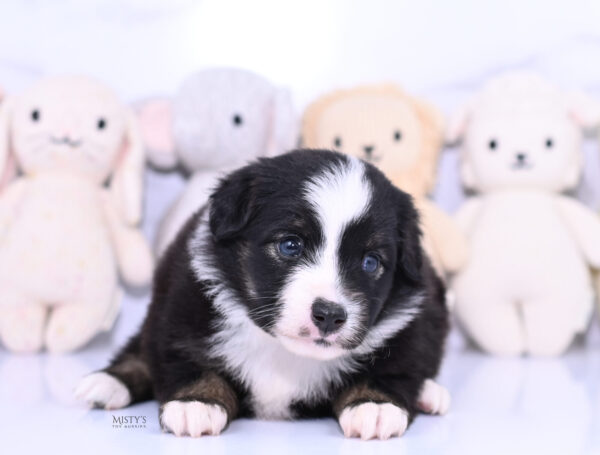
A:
<point x="219" y="120"/>
<point x="63" y="231"/>
<point x="527" y="286"/>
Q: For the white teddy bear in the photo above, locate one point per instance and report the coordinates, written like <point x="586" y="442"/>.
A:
<point x="63" y="233"/>
<point x="219" y="120"/>
<point x="527" y="286"/>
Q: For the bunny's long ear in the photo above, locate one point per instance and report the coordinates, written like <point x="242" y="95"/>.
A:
<point x="128" y="179"/>
<point x="284" y="124"/>
<point x="7" y="164"/>
<point x="156" y="123"/>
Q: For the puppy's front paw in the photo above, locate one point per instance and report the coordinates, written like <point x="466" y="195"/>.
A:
<point x="372" y="420"/>
<point x="434" y="398"/>
<point x="193" y="418"/>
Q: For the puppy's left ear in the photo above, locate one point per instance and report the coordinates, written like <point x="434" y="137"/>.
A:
<point x="232" y="204"/>
<point x="410" y="251"/>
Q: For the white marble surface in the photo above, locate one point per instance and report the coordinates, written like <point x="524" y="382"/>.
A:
<point x="441" y="50"/>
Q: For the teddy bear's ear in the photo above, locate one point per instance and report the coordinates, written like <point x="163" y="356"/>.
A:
<point x="584" y="110"/>
<point x="284" y="124"/>
<point x="457" y="126"/>
<point x="156" y="125"/>
<point x="127" y="182"/>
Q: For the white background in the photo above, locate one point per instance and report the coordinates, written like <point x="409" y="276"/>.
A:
<point x="440" y="50"/>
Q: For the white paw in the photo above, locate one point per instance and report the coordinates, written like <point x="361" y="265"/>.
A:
<point x="101" y="390"/>
<point x="193" y="418"/>
<point x="372" y="420"/>
<point x="434" y="398"/>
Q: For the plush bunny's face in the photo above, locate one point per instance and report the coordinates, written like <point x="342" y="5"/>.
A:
<point x="222" y="118"/>
<point x="378" y="129"/>
<point x="531" y="148"/>
<point x="68" y="124"/>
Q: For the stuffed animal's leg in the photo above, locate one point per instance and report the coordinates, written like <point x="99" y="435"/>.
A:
<point x="72" y="324"/>
<point x="548" y="325"/>
<point x="493" y="322"/>
<point x="22" y="322"/>
<point x="433" y="398"/>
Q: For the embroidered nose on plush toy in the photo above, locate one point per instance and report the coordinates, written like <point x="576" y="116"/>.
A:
<point x="369" y="150"/>
<point x="521" y="160"/>
<point x="328" y="316"/>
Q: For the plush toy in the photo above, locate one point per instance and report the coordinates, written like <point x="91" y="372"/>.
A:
<point x="402" y="136"/>
<point x="527" y="286"/>
<point x="63" y="233"/>
<point x="220" y="119"/>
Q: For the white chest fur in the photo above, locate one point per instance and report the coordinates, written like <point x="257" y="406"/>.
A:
<point x="275" y="377"/>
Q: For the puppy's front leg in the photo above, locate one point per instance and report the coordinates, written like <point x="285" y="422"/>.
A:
<point x="204" y="407"/>
<point x="367" y="413"/>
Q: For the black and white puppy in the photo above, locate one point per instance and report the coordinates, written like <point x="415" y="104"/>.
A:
<point x="300" y="291"/>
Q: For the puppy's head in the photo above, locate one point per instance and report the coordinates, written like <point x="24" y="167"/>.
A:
<point x="322" y="251"/>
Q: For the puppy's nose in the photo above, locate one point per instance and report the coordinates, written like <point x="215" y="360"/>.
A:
<point x="368" y="149"/>
<point x="328" y="316"/>
<point x="521" y="157"/>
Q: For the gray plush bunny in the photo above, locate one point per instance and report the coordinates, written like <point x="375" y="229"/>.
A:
<point x="219" y="120"/>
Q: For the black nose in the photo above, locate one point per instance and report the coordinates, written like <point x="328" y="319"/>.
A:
<point x="328" y="316"/>
<point x="368" y="149"/>
<point x="521" y="157"/>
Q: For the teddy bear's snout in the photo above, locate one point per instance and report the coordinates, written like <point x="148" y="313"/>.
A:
<point x="369" y="149"/>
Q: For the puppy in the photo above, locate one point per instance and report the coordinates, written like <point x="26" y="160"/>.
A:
<point x="300" y="291"/>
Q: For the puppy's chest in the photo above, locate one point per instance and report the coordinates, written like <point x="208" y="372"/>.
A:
<point x="274" y="377"/>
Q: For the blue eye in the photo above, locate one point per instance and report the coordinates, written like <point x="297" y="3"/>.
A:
<point x="370" y="263"/>
<point x="291" y="246"/>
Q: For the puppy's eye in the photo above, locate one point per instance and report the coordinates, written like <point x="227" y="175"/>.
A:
<point x="35" y="115"/>
<point x="397" y="135"/>
<point x="549" y="143"/>
<point x="237" y="120"/>
<point x="101" y="123"/>
<point x="493" y="144"/>
<point x="370" y="263"/>
<point x="291" y="246"/>
<point x="337" y="141"/>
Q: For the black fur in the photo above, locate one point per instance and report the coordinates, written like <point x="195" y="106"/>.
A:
<point x="254" y="207"/>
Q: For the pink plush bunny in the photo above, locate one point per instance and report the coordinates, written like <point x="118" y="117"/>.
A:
<point x="63" y="232"/>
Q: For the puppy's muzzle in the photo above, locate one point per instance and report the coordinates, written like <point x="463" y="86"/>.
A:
<point x="327" y="316"/>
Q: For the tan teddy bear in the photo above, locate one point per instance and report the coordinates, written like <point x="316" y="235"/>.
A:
<point x="402" y="136"/>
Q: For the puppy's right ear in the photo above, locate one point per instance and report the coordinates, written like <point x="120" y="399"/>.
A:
<point x="155" y="118"/>
<point x="232" y="204"/>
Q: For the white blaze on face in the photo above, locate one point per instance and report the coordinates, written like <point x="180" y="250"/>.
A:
<point x="339" y="196"/>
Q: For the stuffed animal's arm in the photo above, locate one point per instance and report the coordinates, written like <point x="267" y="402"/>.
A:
<point x="448" y="239"/>
<point x="134" y="257"/>
<point x="9" y="201"/>
<point x="467" y="214"/>
<point x="195" y="195"/>
<point x="585" y="227"/>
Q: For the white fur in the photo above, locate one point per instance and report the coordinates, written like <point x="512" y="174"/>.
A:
<point x="103" y="390"/>
<point x="371" y="420"/>
<point x="193" y="418"/>
<point x="338" y="196"/>
<point x="434" y="398"/>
